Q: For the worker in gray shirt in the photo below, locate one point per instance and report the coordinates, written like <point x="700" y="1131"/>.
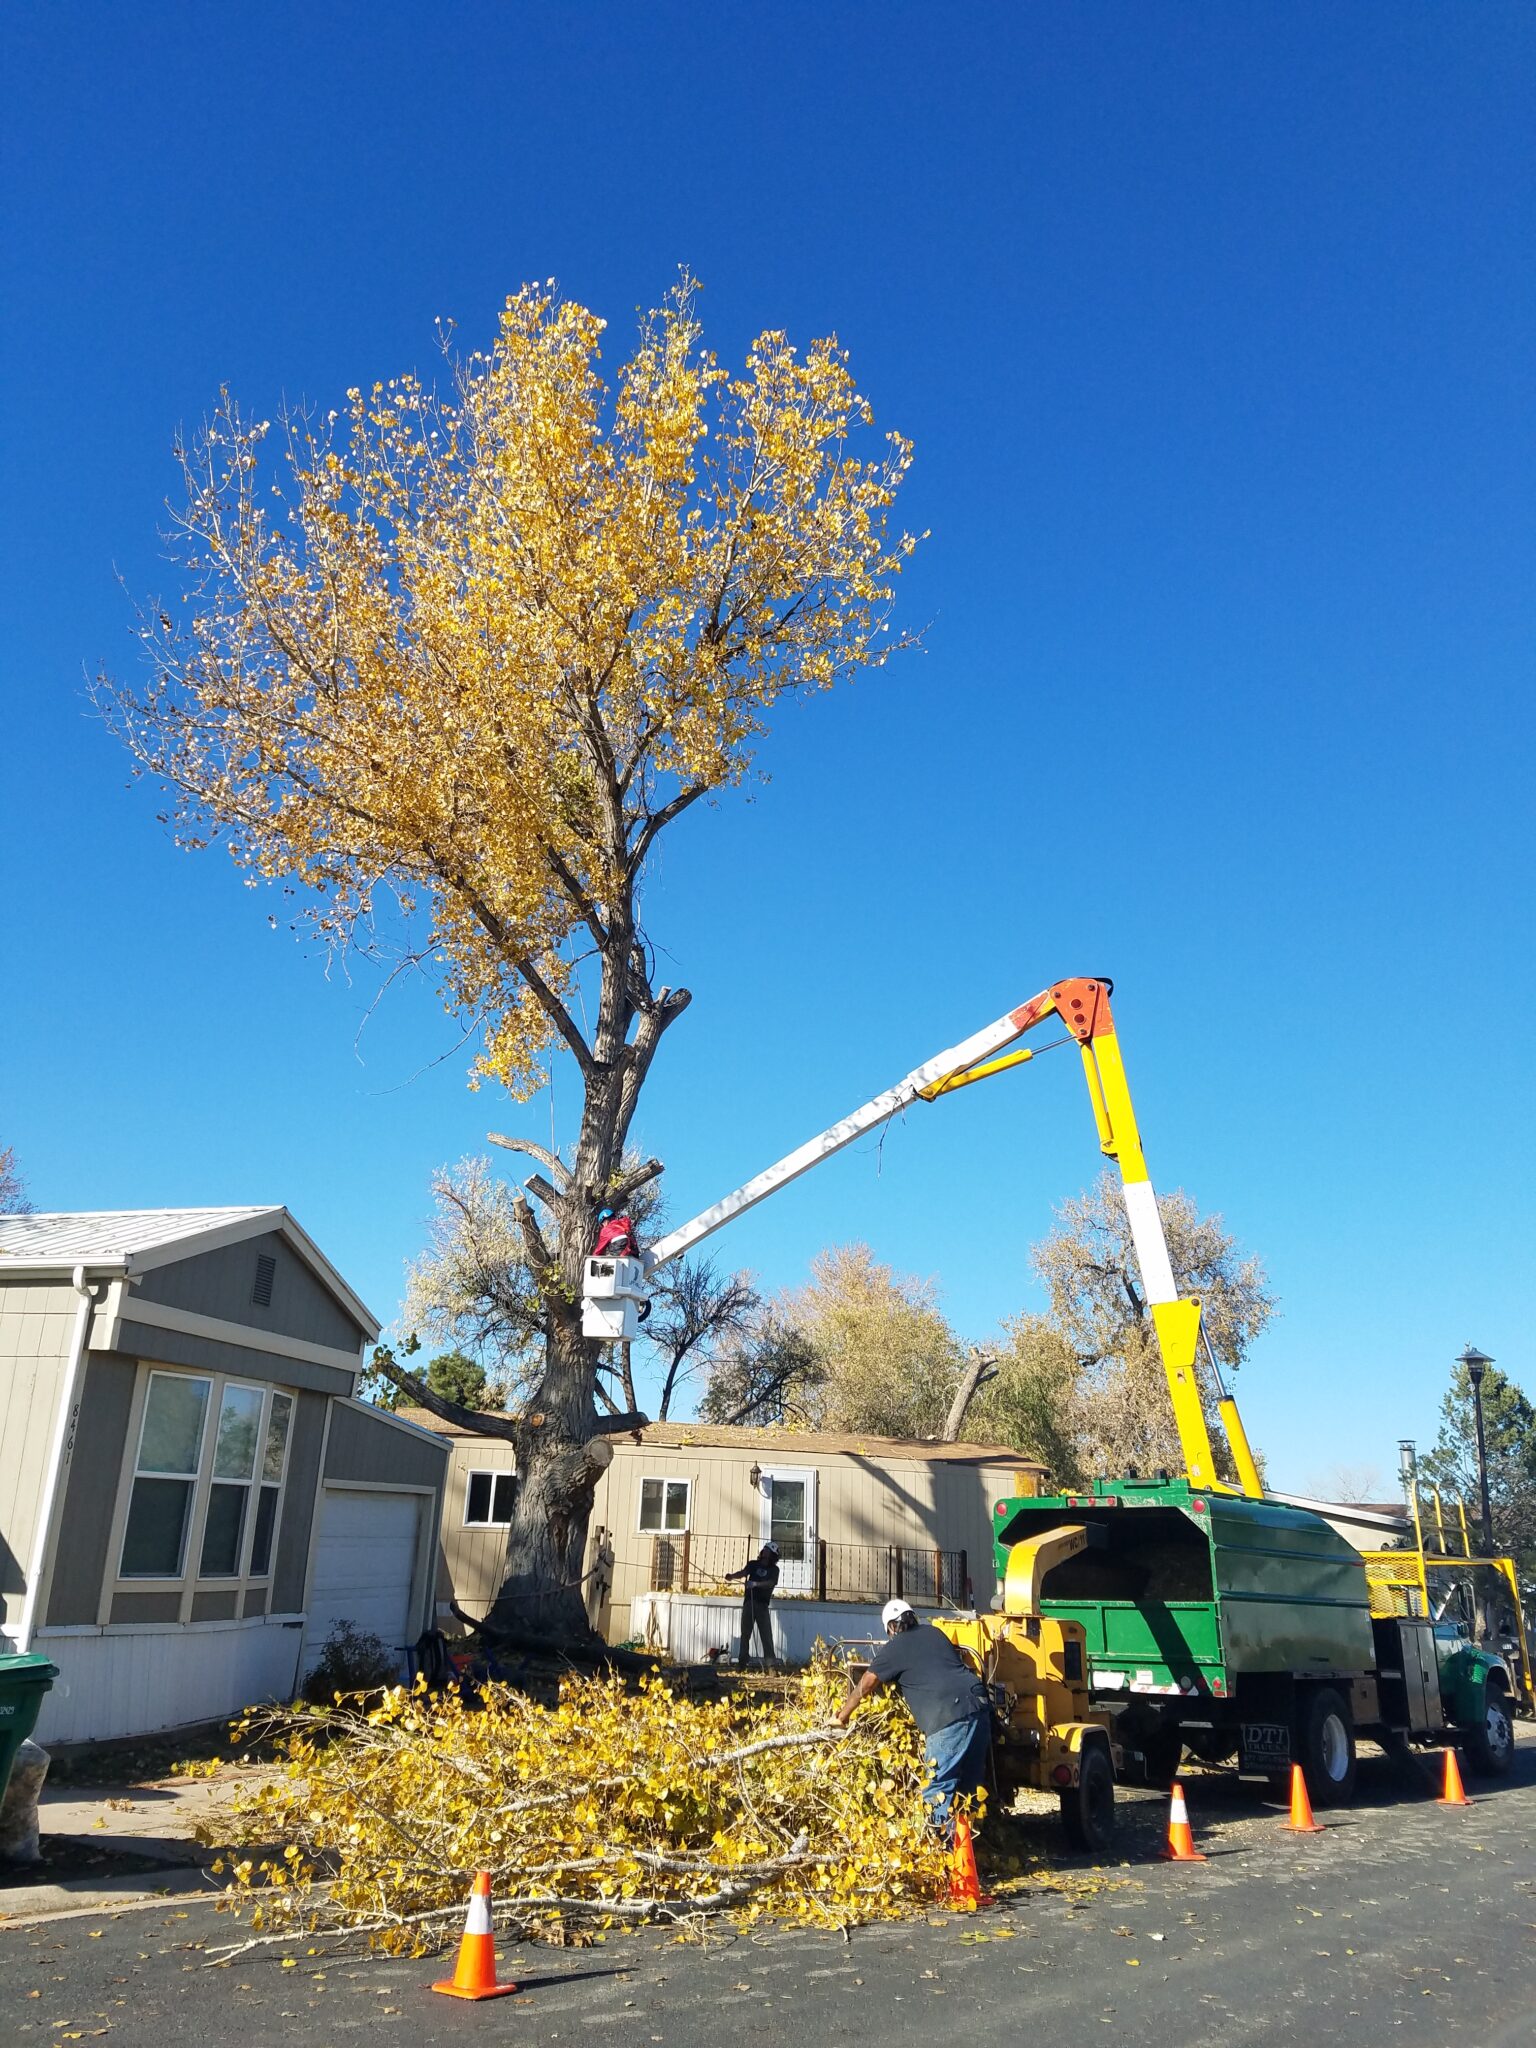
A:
<point x="946" y="1699"/>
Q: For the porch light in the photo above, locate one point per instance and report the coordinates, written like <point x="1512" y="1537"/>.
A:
<point x="755" y="1477"/>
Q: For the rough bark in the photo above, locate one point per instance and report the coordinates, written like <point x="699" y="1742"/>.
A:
<point x="979" y="1369"/>
<point x="543" y="1589"/>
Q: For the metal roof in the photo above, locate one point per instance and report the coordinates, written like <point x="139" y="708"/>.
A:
<point x="67" y="1237"/>
<point x="146" y="1238"/>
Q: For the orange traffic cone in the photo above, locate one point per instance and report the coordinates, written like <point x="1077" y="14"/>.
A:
<point x="1302" y="1822"/>
<point x="1181" y="1843"/>
<point x="475" y="1974"/>
<point x="964" y="1879"/>
<point x="1455" y="1793"/>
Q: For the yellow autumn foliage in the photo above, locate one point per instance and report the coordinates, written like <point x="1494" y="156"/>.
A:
<point x="455" y="658"/>
<point x="621" y="1805"/>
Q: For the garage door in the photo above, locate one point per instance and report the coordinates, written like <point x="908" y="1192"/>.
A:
<point x="365" y="1567"/>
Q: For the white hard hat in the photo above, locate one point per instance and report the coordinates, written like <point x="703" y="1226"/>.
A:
<point x="893" y="1610"/>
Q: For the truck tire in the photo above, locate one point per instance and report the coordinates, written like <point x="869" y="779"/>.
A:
<point x="1088" y="1807"/>
<point x="1325" y="1747"/>
<point x="1491" y="1748"/>
<point x="1162" y="1752"/>
<point x="1212" y="1745"/>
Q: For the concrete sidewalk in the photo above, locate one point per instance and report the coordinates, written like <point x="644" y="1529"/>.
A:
<point x="150" y="1824"/>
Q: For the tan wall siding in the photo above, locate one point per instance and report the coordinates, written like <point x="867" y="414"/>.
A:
<point x="298" y="1514"/>
<point x="908" y="1503"/>
<point x="364" y="1446"/>
<point x="471" y="1561"/>
<point x="37" y="1321"/>
<point x="141" y="1607"/>
<point x="81" y="1563"/>
<point x="80" y="1552"/>
<point x="214" y="1606"/>
<point x="240" y="1361"/>
<point x="219" y="1283"/>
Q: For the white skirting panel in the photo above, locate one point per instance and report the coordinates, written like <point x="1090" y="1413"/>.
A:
<point x="136" y="1681"/>
<point x="685" y="1627"/>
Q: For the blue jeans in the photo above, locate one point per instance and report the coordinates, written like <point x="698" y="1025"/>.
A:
<point x="957" y="1766"/>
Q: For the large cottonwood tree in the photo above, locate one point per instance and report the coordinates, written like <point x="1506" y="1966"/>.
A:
<point x="451" y="666"/>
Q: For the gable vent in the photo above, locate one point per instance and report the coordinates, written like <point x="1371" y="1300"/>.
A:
<point x="261" y="1292"/>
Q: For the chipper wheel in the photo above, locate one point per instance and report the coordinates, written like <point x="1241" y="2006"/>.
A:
<point x="1088" y="1807"/>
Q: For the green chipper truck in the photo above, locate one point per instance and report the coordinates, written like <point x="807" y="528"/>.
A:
<point x="1250" y="1631"/>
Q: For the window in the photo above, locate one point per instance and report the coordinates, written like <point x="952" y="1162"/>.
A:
<point x="236" y="1468"/>
<point x="488" y="1498"/>
<point x="273" y="1460"/>
<point x="165" y="1476"/>
<point x="664" y="1505"/>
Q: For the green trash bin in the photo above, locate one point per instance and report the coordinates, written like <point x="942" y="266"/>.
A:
<point x="23" y="1681"/>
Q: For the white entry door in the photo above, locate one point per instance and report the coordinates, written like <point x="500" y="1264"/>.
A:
<point x="788" y="1518"/>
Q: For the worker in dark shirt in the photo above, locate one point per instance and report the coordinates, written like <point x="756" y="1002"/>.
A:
<point x="946" y="1699"/>
<point x="761" y="1576"/>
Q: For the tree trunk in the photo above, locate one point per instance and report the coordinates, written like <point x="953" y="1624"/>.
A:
<point x="558" y="1468"/>
<point x="542" y="1592"/>
<point x="979" y="1369"/>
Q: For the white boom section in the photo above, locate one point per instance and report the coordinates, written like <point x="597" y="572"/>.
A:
<point x="867" y="1118"/>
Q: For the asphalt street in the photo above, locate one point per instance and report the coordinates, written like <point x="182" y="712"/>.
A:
<point x="1405" y="1921"/>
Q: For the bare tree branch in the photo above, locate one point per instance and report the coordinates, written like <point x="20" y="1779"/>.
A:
<point x="552" y="1160"/>
<point x="477" y="1421"/>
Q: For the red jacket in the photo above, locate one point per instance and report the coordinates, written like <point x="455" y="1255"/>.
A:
<point x="616" y="1239"/>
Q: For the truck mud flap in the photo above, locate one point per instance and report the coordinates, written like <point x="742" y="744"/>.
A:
<point x="1264" y="1747"/>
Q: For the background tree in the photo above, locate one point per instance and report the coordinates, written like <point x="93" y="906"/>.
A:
<point x="693" y="1311"/>
<point x="13" y="1188"/>
<point x="452" y="1376"/>
<point x="1509" y="1430"/>
<point x="1088" y="1264"/>
<point x="1032" y="1400"/>
<point x="765" y="1375"/>
<point x="452" y="674"/>
<point x="1348" y="1483"/>
<point x="858" y="1348"/>
<point x="472" y="1287"/>
<point x="461" y="1379"/>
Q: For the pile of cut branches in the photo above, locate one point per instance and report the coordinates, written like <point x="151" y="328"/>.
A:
<point x="619" y="1806"/>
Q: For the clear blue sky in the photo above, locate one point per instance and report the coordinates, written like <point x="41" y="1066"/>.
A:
<point x="1213" y="328"/>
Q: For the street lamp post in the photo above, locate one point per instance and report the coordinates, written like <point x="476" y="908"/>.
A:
<point x="1407" y="1461"/>
<point x="1477" y="1363"/>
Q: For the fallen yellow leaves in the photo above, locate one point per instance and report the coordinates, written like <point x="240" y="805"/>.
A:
<point x="618" y="1806"/>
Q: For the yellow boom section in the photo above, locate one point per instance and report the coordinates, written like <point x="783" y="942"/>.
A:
<point x="1083" y="1006"/>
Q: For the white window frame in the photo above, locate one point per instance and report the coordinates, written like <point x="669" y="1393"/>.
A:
<point x="191" y="1529"/>
<point x="190" y="1580"/>
<point x="493" y="1473"/>
<point x="663" y="1481"/>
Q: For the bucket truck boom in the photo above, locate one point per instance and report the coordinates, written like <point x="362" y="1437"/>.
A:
<point x="615" y="1287"/>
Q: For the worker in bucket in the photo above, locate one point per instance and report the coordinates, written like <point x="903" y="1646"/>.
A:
<point x="615" y="1236"/>
<point x="946" y="1699"/>
<point x="761" y="1575"/>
